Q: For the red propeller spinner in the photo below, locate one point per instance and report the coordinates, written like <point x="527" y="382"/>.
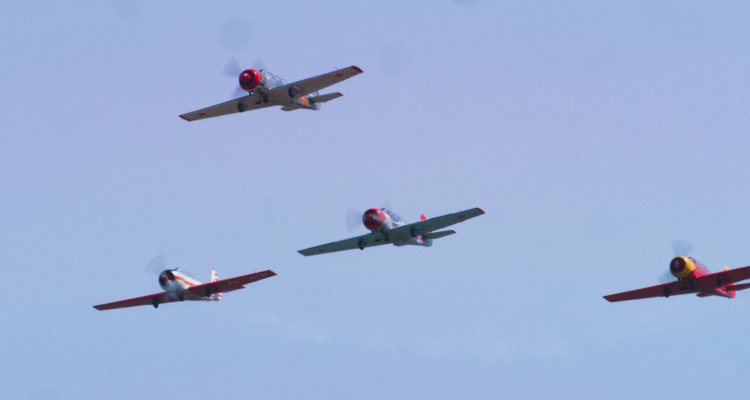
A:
<point x="250" y="79"/>
<point x="374" y="219"/>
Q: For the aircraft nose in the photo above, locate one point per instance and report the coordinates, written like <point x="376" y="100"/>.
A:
<point x="373" y="219"/>
<point x="677" y="265"/>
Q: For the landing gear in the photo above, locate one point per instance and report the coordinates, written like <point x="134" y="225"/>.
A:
<point x="241" y="107"/>
<point x="181" y="297"/>
<point x="361" y="244"/>
<point x="155" y="302"/>
<point x="415" y="231"/>
<point x="294" y="91"/>
<point x="265" y="99"/>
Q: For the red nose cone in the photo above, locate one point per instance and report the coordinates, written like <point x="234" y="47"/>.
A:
<point x="373" y="219"/>
<point x="250" y="79"/>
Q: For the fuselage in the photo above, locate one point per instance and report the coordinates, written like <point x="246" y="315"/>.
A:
<point x="263" y="82"/>
<point x="176" y="283"/>
<point x="689" y="269"/>
<point x="383" y="220"/>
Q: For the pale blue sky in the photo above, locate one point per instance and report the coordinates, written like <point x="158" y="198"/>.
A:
<point x="592" y="133"/>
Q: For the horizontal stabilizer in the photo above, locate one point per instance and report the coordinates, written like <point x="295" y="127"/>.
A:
<point x="438" y="235"/>
<point x="325" y="97"/>
<point x="289" y="108"/>
<point x="741" y="286"/>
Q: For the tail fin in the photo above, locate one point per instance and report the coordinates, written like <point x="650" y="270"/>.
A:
<point x="214" y="278"/>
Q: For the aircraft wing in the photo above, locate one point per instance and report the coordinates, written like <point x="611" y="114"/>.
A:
<point x="249" y="102"/>
<point x="719" y="279"/>
<point x="158" y="298"/>
<point x="663" y="290"/>
<point x="359" y="242"/>
<point x="309" y="85"/>
<point x="229" y="284"/>
<point x="704" y="284"/>
<point x="406" y="232"/>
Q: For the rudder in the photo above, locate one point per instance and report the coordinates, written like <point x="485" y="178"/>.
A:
<point x="214" y="277"/>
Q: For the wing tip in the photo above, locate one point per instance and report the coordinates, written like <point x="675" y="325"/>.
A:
<point x="183" y="116"/>
<point x="479" y="210"/>
<point x="356" y="68"/>
<point x="302" y="252"/>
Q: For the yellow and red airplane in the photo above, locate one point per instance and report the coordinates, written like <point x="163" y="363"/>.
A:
<point x="692" y="277"/>
<point x="180" y="286"/>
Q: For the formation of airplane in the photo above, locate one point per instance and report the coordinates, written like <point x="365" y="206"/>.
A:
<point x="692" y="277"/>
<point x="180" y="286"/>
<point x="265" y="89"/>
<point x="385" y="227"/>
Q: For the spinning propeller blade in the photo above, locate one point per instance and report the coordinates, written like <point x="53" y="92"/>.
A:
<point x="666" y="277"/>
<point x="156" y="265"/>
<point x="353" y="219"/>
<point x="259" y="64"/>
<point x="682" y="248"/>
<point x="232" y="68"/>
<point x="679" y="248"/>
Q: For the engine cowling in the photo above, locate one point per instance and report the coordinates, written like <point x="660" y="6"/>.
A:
<point x="166" y="278"/>
<point x="374" y="219"/>
<point x="250" y="79"/>
<point x="682" y="267"/>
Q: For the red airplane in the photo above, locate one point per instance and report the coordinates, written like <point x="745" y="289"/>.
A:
<point x="692" y="277"/>
<point x="180" y="286"/>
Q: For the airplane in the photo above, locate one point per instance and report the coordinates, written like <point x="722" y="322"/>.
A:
<point x="180" y="286"/>
<point x="265" y="89"/>
<point x="388" y="227"/>
<point x="692" y="277"/>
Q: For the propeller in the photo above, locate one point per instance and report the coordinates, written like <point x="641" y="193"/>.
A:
<point x="233" y="69"/>
<point x="679" y="248"/>
<point x="666" y="277"/>
<point x="353" y="219"/>
<point x="156" y="265"/>
<point x="682" y="248"/>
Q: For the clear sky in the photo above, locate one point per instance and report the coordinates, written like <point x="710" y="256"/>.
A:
<point x="592" y="133"/>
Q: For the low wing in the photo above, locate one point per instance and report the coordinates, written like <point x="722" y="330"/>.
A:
<point x="722" y="278"/>
<point x="309" y="85"/>
<point x="406" y="232"/>
<point x="663" y="290"/>
<point x="704" y="284"/>
<point x="158" y="298"/>
<point x="359" y="242"/>
<point x="205" y="289"/>
<point x="250" y="102"/>
<point x="229" y="284"/>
